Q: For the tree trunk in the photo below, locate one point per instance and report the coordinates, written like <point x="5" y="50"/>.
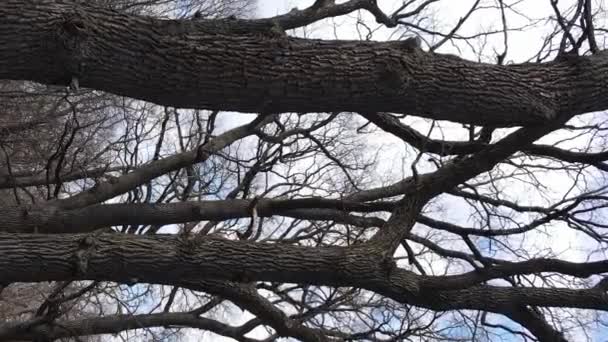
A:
<point x="177" y="261"/>
<point x="240" y="66"/>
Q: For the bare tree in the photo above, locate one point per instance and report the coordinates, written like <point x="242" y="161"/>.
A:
<point x="155" y="207"/>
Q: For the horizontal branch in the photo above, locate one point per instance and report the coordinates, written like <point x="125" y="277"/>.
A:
<point x="36" y="179"/>
<point x="206" y="64"/>
<point x="508" y="269"/>
<point x="114" y="325"/>
<point x="56" y="220"/>
<point x="176" y="261"/>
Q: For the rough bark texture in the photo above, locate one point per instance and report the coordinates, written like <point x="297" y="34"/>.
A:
<point x="244" y="67"/>
<point x="51" y="220"/>
<point x="171" y="260"/>
<point x="252" y="66"/>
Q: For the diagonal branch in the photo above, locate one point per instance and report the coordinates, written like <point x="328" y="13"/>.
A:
<point x="116" y="186"/>
<point x="392" y="125"/>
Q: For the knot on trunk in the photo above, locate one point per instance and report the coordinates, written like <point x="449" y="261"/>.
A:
<point x="86" y="248"/>
<point x="70" y="39"/>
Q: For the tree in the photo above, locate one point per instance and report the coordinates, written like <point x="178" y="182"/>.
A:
<point x="283" y="215"/>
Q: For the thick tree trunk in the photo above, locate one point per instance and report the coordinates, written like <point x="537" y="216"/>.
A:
<point x="241" y="66"/>
<point x="171" y="260"/>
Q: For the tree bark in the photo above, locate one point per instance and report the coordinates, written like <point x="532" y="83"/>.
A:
<point x="241" y="66"/>
<point x="251" y="66"/>
<point x="182" y="262"/>
<point x="52" y="220"/>
<point x="115" y="325"/>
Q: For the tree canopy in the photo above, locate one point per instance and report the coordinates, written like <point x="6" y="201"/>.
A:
<point x="165" y="163"/>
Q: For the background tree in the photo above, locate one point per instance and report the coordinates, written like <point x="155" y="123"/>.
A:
<point x="325" y="213"/>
